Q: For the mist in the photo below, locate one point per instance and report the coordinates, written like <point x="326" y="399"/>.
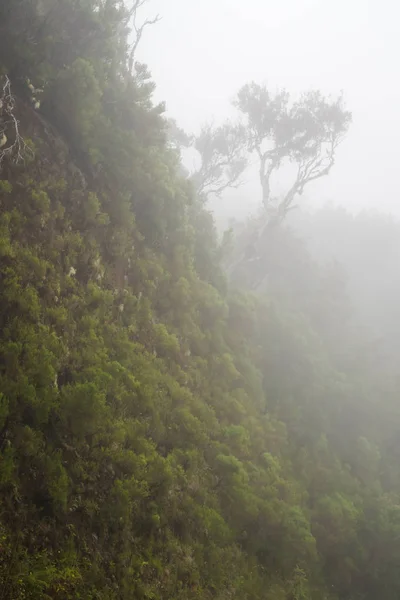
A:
<point x="199" y="305"/>
<point x="201" y="53"/>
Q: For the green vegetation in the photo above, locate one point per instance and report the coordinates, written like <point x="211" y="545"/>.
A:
<point x="163" y="436"/>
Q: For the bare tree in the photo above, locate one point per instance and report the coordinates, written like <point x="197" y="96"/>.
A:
<point x="137" y="29"/>
<point x="223" y="156"/>
<point x="12" y="144"/>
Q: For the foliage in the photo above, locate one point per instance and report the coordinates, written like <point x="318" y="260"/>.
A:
<point x="305" y="133"/>
<point x="223" y="158"/>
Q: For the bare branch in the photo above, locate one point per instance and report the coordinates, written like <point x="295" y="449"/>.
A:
<point x="137" y="29"/>
<point x="12" y="144"/>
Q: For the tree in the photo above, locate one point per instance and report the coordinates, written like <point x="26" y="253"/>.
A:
<point x="305" y="133"/>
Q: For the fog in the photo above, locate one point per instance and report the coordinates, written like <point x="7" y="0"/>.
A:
<point x="201" y="53"/>
<point x="189" y="410"/>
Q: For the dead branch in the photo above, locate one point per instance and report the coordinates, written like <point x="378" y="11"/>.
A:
<point x="137" y="29"/>
<point x="12" y="144"/>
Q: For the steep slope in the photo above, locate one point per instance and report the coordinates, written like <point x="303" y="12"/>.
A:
<point x="136" y="459"/>
<point x="159" y="437"/>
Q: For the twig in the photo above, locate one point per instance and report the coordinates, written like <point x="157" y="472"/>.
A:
<point x="9" y="127"/>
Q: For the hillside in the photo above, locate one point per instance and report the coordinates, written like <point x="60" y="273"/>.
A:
<point x="163" y="435"/>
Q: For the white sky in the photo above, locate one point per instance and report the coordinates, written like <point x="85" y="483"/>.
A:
<point x="203" y="51"/>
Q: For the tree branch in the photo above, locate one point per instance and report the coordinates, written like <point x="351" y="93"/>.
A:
<point x="138" y="29"/>
<point x="12" y="144"/>
<point x="223" y="160"/>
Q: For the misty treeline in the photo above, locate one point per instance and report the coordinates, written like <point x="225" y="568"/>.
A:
<point x="165" y="431"/>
